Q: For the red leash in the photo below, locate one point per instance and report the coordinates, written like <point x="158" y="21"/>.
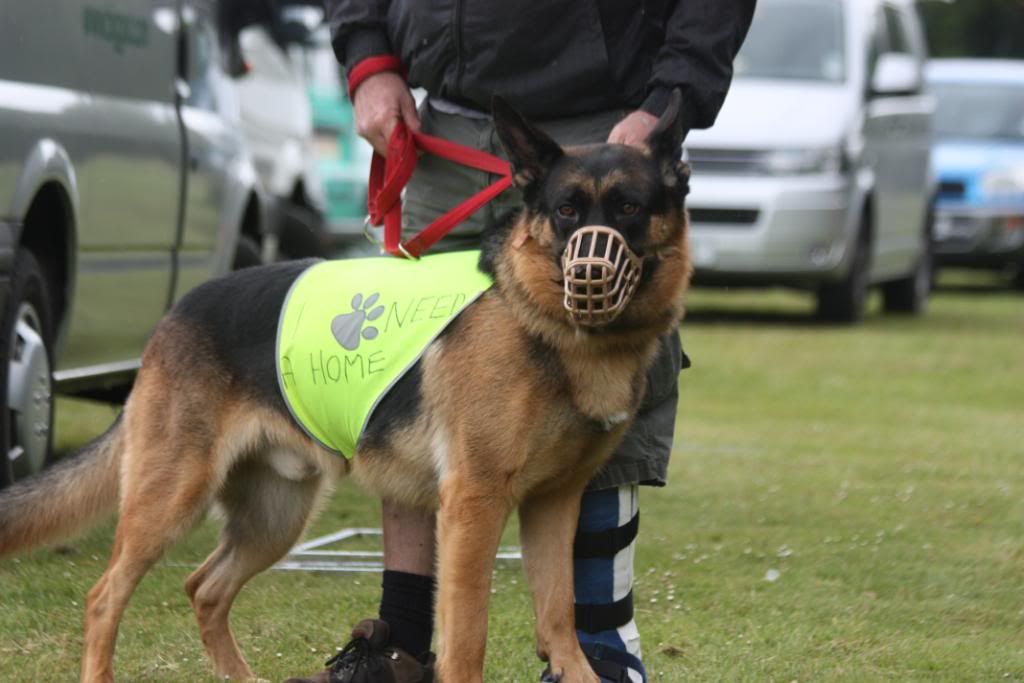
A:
<point x="388" y="176"/>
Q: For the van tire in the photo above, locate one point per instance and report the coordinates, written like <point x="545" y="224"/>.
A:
<point x="302" y="232"/>
<point x="909" y="295"/>
<point x="845" y="301"/>
<point x="26" y="338"/>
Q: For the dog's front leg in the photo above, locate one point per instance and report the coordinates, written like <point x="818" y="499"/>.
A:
<point x="547" y="526"/>
<point x="470" y="522"/>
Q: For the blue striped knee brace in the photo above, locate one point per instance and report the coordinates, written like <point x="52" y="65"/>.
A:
<point x="603" y="568"/>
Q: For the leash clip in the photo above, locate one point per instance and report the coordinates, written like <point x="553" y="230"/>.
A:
<point x="372" y="239"/>
<point x="411" y="257"/>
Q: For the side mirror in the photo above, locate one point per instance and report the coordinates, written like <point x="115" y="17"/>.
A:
<point x="290" y="32"/>
<point x="896" y="74"/>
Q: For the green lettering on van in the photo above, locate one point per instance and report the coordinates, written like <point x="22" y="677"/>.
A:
<point x="117" y="29"/>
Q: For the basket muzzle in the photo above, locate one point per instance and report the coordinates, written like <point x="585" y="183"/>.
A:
<point x="600" y="274"/>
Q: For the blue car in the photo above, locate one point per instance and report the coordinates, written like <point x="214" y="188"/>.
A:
<point x="978" y="156"/>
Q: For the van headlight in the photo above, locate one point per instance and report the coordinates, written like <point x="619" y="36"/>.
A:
<point x="1004" y="183"/>
<point x="800" y="161"/>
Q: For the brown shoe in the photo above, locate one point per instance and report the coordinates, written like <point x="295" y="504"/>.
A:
<point x="367" y="658"/>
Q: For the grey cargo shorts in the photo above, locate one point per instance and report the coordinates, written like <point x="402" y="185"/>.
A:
<point x="438" y="185"/>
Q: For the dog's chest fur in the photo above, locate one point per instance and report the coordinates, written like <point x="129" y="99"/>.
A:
<point x="499" y="404"/>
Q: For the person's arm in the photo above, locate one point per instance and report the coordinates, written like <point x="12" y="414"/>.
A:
<point x="376" y="84"/>
<point x="358" y="30"/>
<point x="701" y="39"/>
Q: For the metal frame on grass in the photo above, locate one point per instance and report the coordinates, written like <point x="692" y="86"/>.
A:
<point x="312" y="555"/>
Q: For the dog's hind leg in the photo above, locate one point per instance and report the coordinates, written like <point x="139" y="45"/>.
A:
<point x="470" y="522"/>
<point x="162" y="499"/>
<point x="547" y="527"/>
<point x="266" y="513"/>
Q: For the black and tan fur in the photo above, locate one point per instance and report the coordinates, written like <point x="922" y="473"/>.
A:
<point x="512" y="408"/>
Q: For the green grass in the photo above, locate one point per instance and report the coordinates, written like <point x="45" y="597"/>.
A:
<point x="876" y="469"/>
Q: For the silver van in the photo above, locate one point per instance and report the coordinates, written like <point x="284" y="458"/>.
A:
<point x="816" y="174"/>
<point x="124" y="182"/>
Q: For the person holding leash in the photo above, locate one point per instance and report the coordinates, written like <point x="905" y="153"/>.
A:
<point x="585" y="71"/>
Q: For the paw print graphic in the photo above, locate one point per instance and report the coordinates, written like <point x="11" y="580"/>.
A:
<point x="349" y="329"/>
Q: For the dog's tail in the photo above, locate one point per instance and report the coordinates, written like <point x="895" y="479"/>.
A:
<point x="64" y="499"/>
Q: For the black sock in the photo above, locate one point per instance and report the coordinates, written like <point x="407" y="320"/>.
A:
<point x="407" y="604"/>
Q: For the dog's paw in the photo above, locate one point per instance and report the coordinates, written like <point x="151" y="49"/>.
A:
<point x="583" y="675"/>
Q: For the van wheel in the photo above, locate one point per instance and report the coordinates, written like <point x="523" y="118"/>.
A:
<point x="27" y="340"/>
<point x="302" y="232"/>
<point x="910" y="294"/>
<point x="247" y="253"/>
<point x="844" y="301"/>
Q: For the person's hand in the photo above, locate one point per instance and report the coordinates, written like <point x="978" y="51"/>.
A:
<point x="379" y="102"/>
<point x="634" y="129"/>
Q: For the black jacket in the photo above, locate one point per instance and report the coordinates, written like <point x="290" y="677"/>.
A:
<point x="554" y="58"/>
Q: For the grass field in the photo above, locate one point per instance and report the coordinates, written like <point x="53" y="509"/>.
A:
<point x="875" y="473"/>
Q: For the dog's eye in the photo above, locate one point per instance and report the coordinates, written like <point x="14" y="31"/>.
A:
<point x="629" y="208"/>
<point x="567" y="211"/>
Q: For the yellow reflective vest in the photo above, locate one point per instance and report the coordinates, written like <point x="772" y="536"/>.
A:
<point x="350" y="329"/>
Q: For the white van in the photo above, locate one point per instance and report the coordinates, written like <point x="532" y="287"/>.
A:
<point x="816" y="173"/>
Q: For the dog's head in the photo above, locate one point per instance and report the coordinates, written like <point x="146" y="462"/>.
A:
<point x="600" y="244"/>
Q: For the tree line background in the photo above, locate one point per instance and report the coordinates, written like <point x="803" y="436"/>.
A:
<point x="974" y="28"/>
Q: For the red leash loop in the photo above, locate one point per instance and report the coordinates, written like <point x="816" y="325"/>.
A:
<point x="388" y="176"/>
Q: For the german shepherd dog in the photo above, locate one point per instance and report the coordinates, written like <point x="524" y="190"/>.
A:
<point x="514" y="407"/>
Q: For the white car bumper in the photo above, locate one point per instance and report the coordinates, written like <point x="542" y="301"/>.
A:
<point x="770" y="228"/>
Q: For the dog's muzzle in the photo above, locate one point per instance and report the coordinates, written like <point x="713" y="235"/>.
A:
<point x="600" y="274"/>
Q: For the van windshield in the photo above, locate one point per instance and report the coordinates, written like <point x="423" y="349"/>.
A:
<point x="795" y="39"/>
<point x="979" y="111"/>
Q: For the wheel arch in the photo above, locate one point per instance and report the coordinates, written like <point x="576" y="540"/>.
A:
<point x="867" y="221"/>
<point x="861" y="220"/>
<point x="245" y="213"/>
<point x="48" y="230"/>
<point x="45" y="202"/>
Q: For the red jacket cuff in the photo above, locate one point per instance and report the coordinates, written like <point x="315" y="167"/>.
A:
<point x="370" y="66"/>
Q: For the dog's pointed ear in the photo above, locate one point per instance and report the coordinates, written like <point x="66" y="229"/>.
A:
<point x="531" y="151"/>
<point x="666" y="141"/>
